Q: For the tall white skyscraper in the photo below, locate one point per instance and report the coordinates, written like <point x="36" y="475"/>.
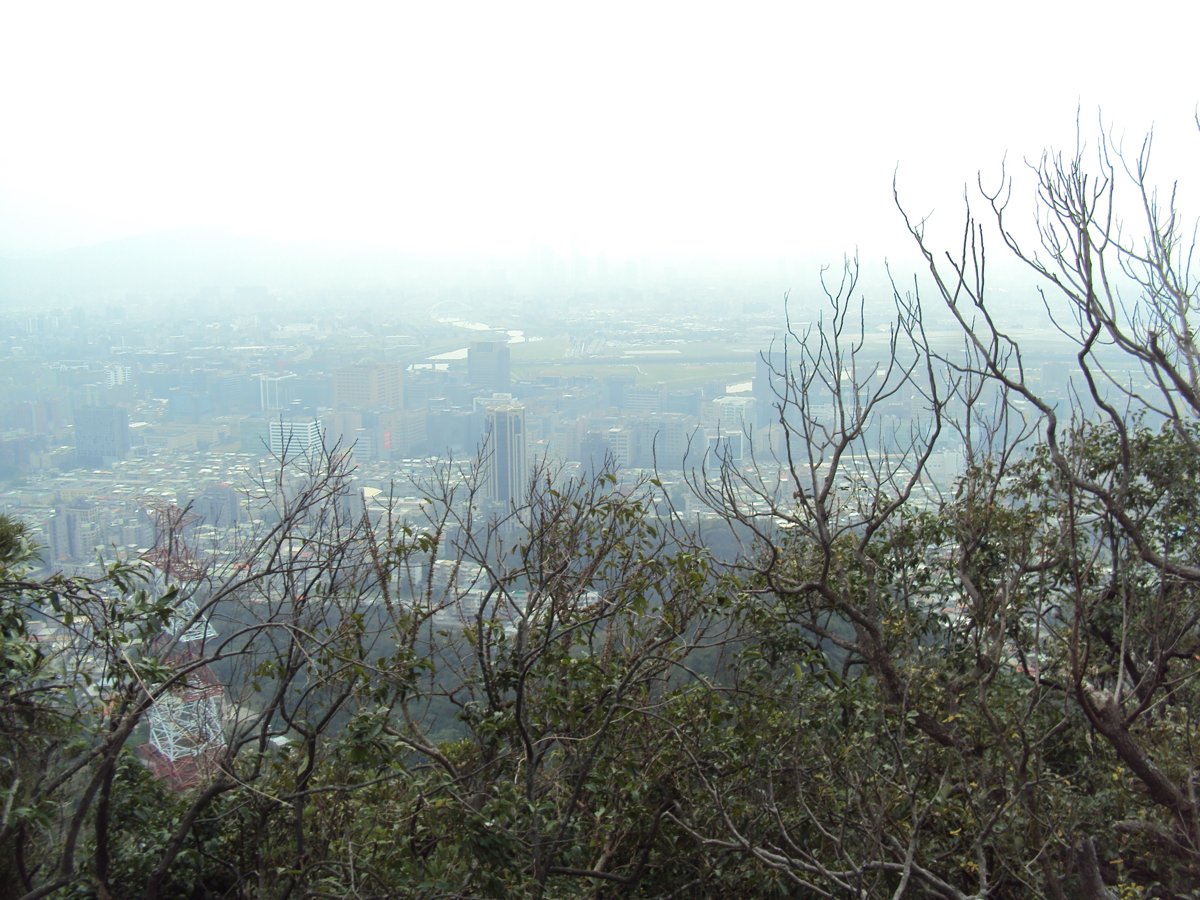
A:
<point x="296" y="440"/>
<point x="507" y="454"/>
<point x="734" y="414"/>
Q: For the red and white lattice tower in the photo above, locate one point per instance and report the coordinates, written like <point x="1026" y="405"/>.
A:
<point x="171" y="554"/>
<point x="185" y="723"/>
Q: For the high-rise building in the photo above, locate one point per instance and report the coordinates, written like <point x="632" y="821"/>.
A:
<point x="276" y="391"/>
<point x="369" y="386"/>
<point x="296" y="440"/>
<point x="115" y="376"/>
<point x="101" y="435"/>
<point x="621" y="445"/>
<point x="734" y="414"/>
<point x="506" y="454"/>
<point x="488" y="365"/>
<point x="400" y="432"/>
<point x="644" y="401"/>
<point x="770" y="386"/>
<point x="663" y="441"/>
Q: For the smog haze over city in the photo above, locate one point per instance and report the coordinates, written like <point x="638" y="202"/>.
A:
<point x="389" y="218"/>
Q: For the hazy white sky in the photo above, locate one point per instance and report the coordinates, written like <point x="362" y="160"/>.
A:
<point x="731" y="129"/>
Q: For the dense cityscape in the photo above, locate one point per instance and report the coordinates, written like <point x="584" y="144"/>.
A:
<point x="110" y="414"/>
